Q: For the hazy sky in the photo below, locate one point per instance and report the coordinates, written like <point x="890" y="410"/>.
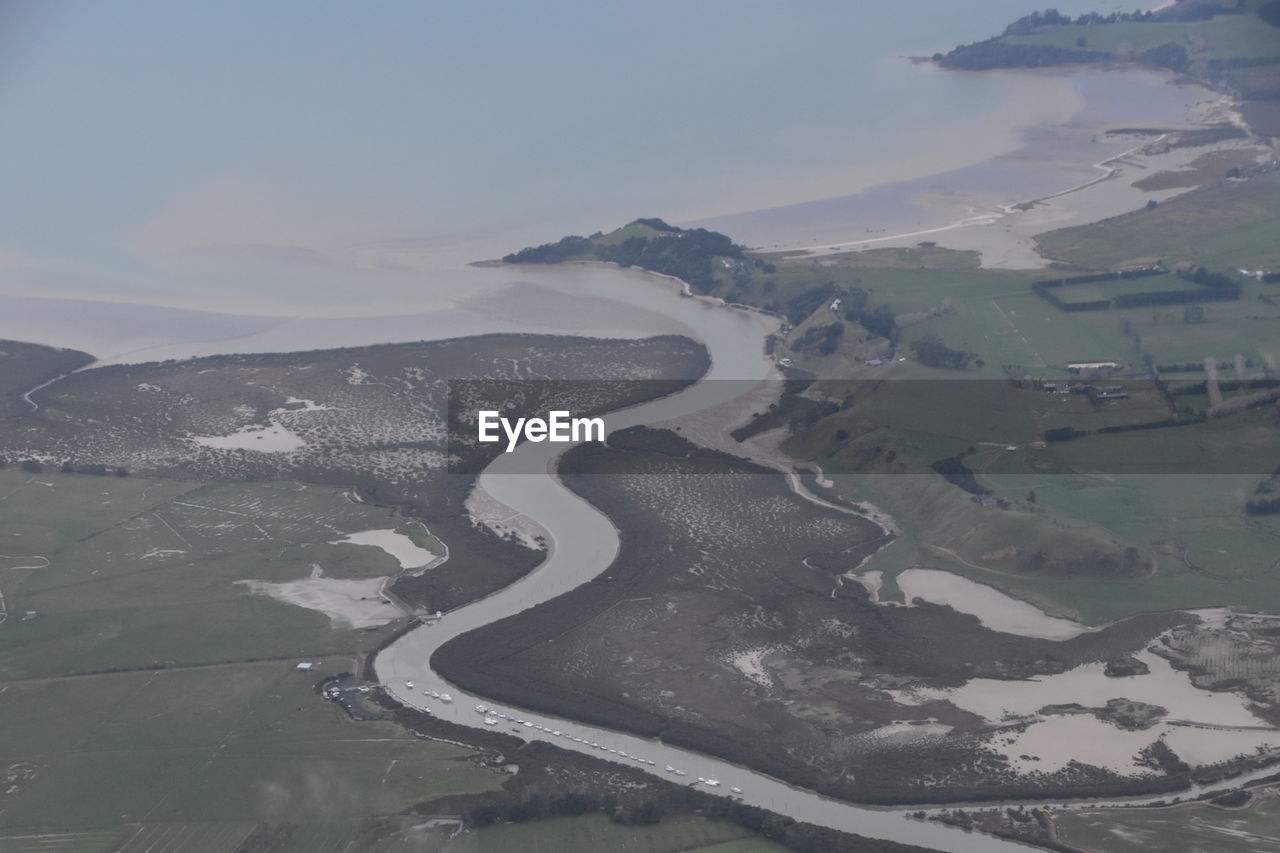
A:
<point x="136" y="128"/>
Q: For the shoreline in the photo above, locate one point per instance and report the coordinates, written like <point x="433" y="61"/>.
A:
<point x="967" y="218"/>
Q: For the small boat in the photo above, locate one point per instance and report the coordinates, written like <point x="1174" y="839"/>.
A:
<point x="711" y="782"/>
<point x="556" y="733"/>
<point x="650" y="763"/>
<point x="482" y="709"/>
<point x="736" y="790"/>
<point x="490" y="721"/>
<point x="528" y="725"/>
<point x="681" y="773"/>
<point x="669" y="769"/>
<point x="434" y="695"/>
<point x="409" y="684"/>
<point x="445" y="697"/>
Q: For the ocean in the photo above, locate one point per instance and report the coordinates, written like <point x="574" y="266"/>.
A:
<point x="313" y="161"/>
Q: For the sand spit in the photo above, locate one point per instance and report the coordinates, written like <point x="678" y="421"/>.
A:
<point x="502" y="520"/>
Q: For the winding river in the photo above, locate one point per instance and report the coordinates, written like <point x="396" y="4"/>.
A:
<point x="583" y="543"/>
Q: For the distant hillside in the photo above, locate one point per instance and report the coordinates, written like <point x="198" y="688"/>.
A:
<point x="692" y="255"/>
<point x="1231" y="46"/>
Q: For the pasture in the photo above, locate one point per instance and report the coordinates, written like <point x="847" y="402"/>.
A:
<point x="195" y="759"/>
<point x="1225" y="226"/>
<point x="142" y="573"/>
<point x="591" y="833"/>
<point x="1184" y="829"/>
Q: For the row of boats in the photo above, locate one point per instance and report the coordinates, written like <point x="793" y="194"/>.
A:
<point x="443" y="697"/>
<point x="492" y="718"/>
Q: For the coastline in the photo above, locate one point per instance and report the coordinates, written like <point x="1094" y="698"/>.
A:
<point x="999" y="206"/>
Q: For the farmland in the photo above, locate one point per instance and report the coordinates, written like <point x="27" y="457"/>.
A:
<point x="589" y="834"/>
<point x="1227" y="225"/>
<point x="143" y="573"/>
<point x="151" y="702"/>
<point x="197" y="758"/>
<point x="1184" y="829"/>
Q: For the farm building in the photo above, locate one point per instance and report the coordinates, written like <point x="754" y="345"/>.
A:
<point x="1089" y="366"/>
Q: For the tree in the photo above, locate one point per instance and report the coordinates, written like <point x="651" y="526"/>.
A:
<point x="932" y="352"/>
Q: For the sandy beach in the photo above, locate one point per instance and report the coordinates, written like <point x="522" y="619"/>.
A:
<point x="1065" y="173"/>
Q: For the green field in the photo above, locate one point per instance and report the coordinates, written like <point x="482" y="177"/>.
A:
<point x="1090" y="496"/>
<point x="1226" y="226"/>
<point x="1225" y="36"/>
<point x="143" y="572"/>
<point x="592" y="833"/>
<point x="204" y="755"/>
<point x="1099" y="290"/>
<point x="150" y="703"/>
<point x="1184" y="829"/>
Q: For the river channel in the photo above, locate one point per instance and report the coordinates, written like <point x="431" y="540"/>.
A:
<point x="583" y="542"/>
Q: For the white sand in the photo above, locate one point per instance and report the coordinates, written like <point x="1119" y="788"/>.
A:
<point x="994" y="609"/>
<point x="405" y="551"/>
<point x="356" y="603"/>
<point x="266" y="439"/>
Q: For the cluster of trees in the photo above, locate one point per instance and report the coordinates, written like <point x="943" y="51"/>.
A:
<point x="687" y="254"/>
<point x="1263" y="506"/>
<point x="1159" y="755"/>
<point x="1187" y="11"/>
<point x="1126" y="564"/>
<point x="1064" y="433"/>
<point x="34" y="466"/>
<point x="1196" y="418"/>
<point x="996" y="53"/>
<point x="1028" y="24"/>
<point x="1213" y="287"/>
<point x="985" y="55"/>
<point x="564" y="249"/>
<point x="823" y="340"/>
<point x="1266" y="505"/>
<point x="932" y="352"/>
<point x="879" y="320"/>
<point x="954" y="471"/>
